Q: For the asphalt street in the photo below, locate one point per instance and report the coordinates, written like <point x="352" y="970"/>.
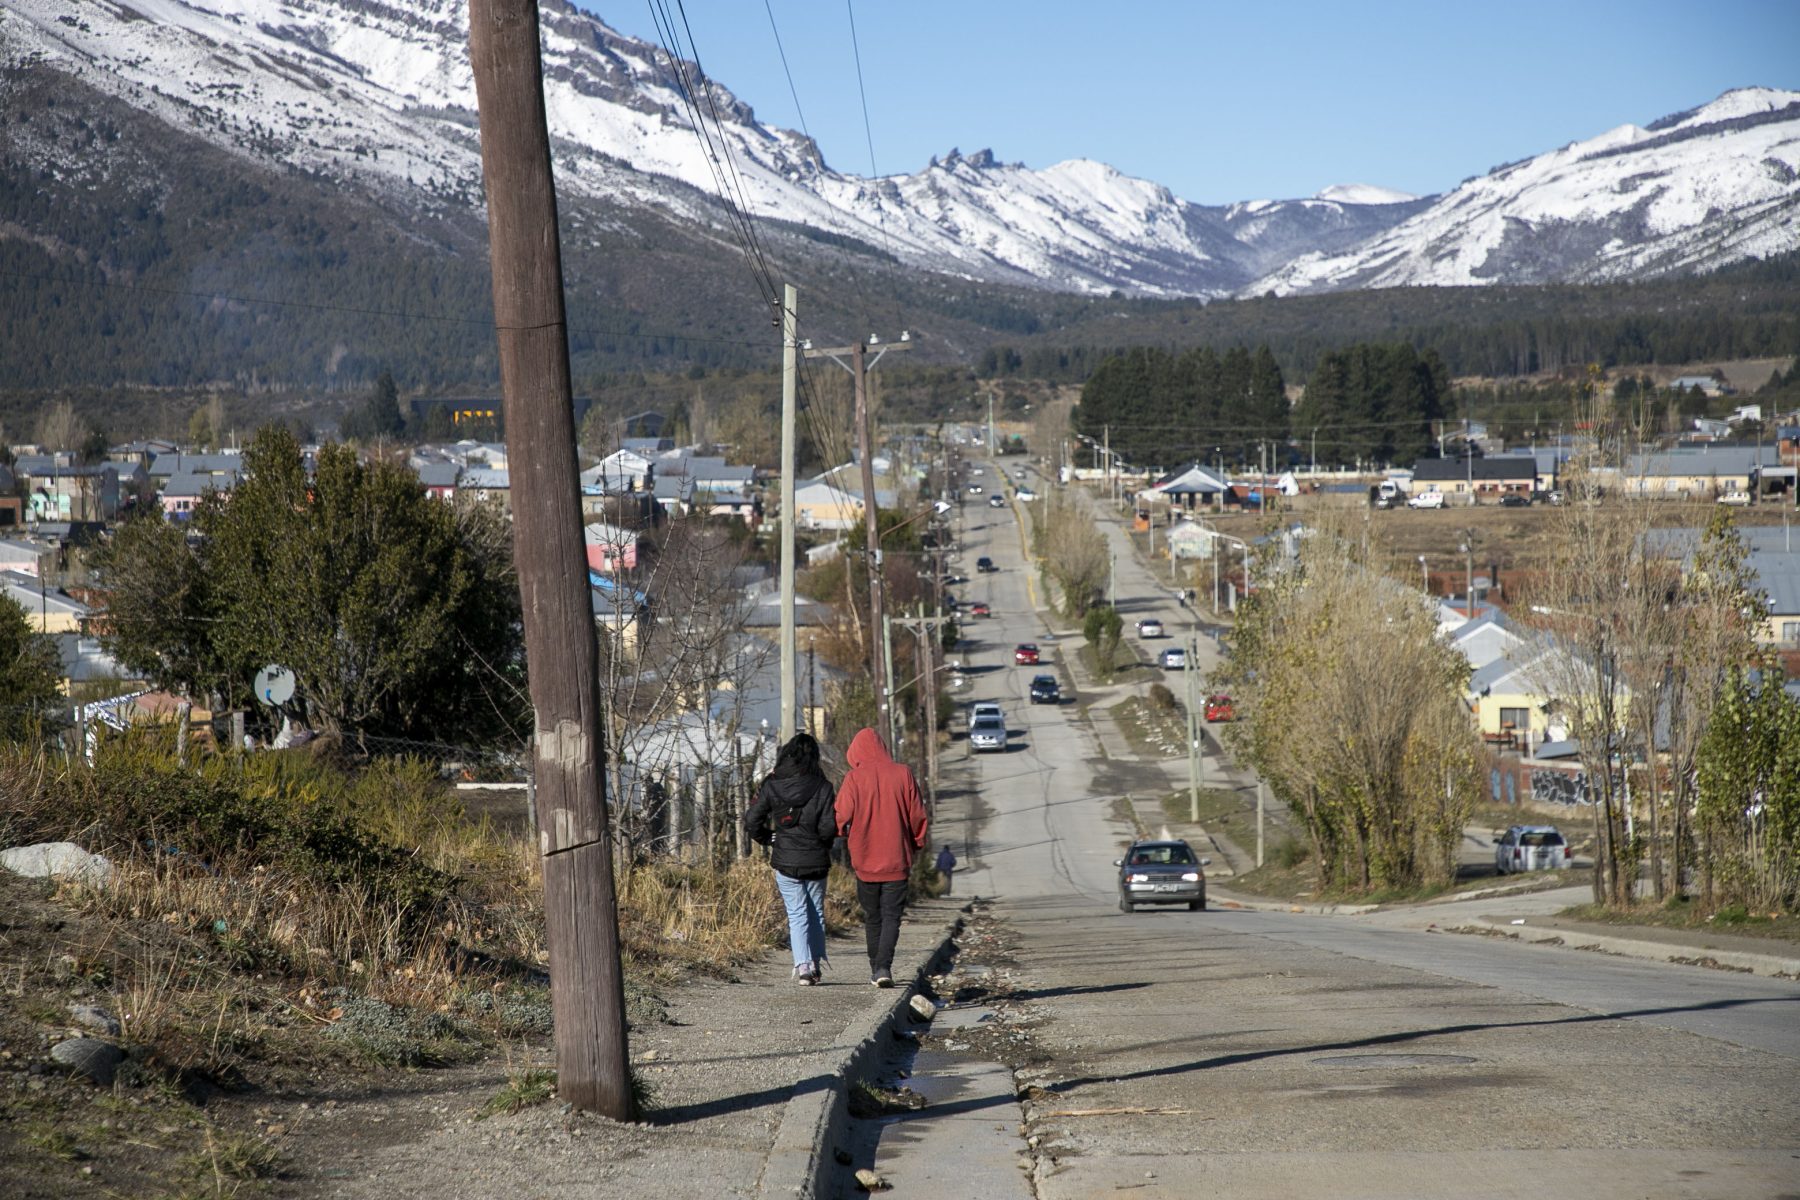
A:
<point x="1296" y="1055"/>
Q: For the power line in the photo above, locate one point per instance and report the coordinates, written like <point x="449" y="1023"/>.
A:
<point x="736" y="211"/>
<point x="869" y="139"/>
<point x="782" y="50"/>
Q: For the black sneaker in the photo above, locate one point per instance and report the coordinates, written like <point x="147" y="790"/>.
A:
<point x="882" y="979"/>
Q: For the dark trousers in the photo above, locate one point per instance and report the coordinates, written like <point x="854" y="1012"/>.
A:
<point x="881" y="905"/>
<point x="949" y="879"/>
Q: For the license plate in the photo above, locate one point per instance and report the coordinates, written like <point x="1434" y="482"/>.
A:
<point x="1166" y="887"/>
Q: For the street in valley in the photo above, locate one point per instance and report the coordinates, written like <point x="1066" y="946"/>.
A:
<point x="1240" y="1053"/>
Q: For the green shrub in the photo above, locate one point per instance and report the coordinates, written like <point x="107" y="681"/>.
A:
<point x="277" y="810"/>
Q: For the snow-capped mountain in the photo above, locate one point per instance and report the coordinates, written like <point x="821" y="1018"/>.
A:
<point x="378" y="95"/>
<point x="1689" y="192"/>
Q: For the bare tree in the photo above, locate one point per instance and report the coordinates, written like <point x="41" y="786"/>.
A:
<point x="1074" y="552"/>
<point x="59" y="428"/>
<point x="675" y="662"/>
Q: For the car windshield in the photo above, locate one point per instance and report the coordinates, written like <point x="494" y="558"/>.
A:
<point x="1145" y="856"/>
<point x="988" y="724"/>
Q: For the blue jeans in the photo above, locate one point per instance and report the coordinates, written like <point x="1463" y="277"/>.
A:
<point x="805" y="901"/>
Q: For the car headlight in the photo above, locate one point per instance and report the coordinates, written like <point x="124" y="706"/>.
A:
<point x="1137" y="879"/>
<point x="1190" y="877"/>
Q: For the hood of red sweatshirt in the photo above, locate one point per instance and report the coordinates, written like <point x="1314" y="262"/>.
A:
<point x="867" y="750"/>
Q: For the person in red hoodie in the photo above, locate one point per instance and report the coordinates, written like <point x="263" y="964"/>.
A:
<point x="879" y="814"/>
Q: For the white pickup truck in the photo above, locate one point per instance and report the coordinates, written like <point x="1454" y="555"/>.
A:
<point x="1426" y="500"/>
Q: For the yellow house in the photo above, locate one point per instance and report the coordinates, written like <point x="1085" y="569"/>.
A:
<point x="834" y="500"/>
<point x="1696" y="473"/>
<point x="1508" y="701"/>
<point x="48" y="609"/>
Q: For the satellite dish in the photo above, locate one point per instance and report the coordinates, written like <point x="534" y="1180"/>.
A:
<point x="274" y="685"/>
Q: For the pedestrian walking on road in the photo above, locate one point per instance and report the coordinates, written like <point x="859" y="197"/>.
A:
<point x="794" y="814"/>
<point x="946" y="865"/>
<point x="879" y="812"/>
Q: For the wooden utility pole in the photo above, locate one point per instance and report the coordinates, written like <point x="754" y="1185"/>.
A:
<point x="586" y="984"/>
<point x="790" y="317"/>
<point x="865" y="449"/>
<point x="1191" y="657"/>
<point x="927" y="630"/>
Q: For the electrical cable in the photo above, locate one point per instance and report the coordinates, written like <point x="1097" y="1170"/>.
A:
<point x="782" y="50"/>
<point x="869" y="138"/>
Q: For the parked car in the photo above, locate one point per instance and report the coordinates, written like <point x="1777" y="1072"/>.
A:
<point x="1426" y="500"/>
<point x="1027" y="495"/>
<point x="1172" y="659"/>
<point x="1530" y="848"/>
<point x="1735" y="499"/>
<point x="978" y="609"/>
<point x="987" y="733"/>
<point x="1161" y="872"/>
<point x="996" y="501"/>
<point x="1218" y="708"/>
<point x="1025" y="654"/>
<point x="1150" y="627"/>
<point x="1045" y="690"/>
<point x="1515" y="500"/>
<point x="985" y="566"/>
<point x="1556" y="496"/>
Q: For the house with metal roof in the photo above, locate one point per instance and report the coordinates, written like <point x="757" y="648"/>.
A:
<point x="1485" y="639"/>
<point x="48" y="609"/>
<point x="182" y="494"/>
<point x="1190" y="487"/>
<point x="621" y="471"/>
<point x="1490" y="476"/>
<point x="1696" y="472"/>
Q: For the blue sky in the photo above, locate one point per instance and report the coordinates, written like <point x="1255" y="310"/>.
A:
<point x="1233" y="102"/>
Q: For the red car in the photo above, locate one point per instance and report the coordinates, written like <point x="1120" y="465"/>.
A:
<point x="980" y="610"/>
<point x="1025" y="654"/>
<point x="1218" y="708"/>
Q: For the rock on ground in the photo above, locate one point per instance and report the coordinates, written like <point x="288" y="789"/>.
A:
<point x="57" y="860"/>
<point x="89" y="1056"/>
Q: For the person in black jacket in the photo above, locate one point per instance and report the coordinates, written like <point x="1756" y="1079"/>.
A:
<point x="794" y="814"/>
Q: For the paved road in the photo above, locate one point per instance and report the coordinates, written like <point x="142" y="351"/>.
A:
<point x="1299" y="1056"/>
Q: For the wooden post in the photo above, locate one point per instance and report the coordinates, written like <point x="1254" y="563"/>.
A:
<point x="586" y="985"/>
<point x="790" y="332"/>
<point x="865" y="445"/>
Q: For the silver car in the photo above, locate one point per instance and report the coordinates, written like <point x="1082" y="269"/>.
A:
<point x="1161" y="872"/>
<point x="1531" y="848"/>
<point x="987" y="733"/>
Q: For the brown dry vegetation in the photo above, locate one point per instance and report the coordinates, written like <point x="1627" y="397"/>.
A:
<point x="285" y="925"/>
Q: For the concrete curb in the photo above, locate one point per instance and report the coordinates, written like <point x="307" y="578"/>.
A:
<point x="815" y="1120"/>
<point x="1581" y="939"/>
<point x="1227" y="900"/>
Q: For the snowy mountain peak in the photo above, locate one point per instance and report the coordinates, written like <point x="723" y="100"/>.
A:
<point x="378" y="97"/>
<point x="1738" y="102"/>
<point x="1362" y="193"/>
